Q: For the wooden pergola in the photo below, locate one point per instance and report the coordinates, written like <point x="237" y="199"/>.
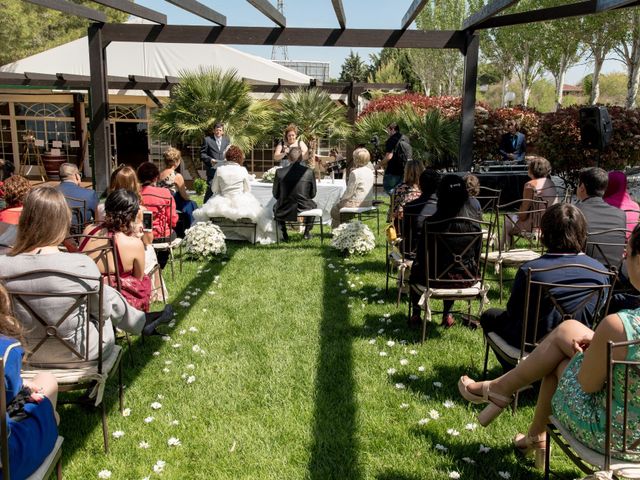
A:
<point x="101" y="34"/>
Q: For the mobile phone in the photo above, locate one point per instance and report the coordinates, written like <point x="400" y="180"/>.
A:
<point x="147" y="221"/>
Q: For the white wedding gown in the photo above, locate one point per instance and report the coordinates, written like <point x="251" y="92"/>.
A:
<point x="232" y="199"/>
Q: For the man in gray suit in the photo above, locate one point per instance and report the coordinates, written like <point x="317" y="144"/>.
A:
<point x="214" y="146"/>
<point x="294" y="189"/>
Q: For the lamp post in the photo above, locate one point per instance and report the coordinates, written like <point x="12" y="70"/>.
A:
<point x="509" y="97"/>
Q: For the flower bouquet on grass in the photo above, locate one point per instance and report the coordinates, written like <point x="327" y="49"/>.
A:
<point x="270" y="175"/>
<point x="353" y="237"/>
<point x="204" y="239"/>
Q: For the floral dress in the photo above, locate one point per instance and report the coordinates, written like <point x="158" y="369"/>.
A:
<point x="402" y="195"/>
<point x="583" y="414"/>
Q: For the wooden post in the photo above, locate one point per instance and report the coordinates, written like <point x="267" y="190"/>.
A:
<point x="465" y="154"/>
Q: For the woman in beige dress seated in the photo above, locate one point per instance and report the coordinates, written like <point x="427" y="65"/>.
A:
<point x="359" y="192"/>
<point x="540" y="187"/>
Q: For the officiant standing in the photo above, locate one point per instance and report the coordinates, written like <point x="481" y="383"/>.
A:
<point x="214" y="146"/>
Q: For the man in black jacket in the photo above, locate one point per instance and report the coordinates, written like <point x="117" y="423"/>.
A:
<point x="294" y="189"/>
<point x="212" y="151"/>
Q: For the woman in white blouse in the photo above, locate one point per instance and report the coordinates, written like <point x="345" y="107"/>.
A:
<point x="359" y="192"/>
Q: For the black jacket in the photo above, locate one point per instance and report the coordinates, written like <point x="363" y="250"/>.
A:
<point x="294" y="189"/>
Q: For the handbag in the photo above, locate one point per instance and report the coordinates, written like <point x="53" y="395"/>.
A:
<point x="390" y="232"/>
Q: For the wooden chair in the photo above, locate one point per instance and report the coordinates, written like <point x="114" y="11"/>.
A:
<point x="514" y="257"/>
<point x="539" y="295"/>
<point x="53" y="460"/>
<point x="80" y="372"/>
<point x="618" y="445"/>
<point x="452" y="251"/>
<point x="161" y="208"/>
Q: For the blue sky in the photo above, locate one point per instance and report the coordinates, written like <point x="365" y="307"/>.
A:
<point x="319" y="13"/>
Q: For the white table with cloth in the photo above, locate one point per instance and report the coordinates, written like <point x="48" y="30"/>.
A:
<point x="327" y="195"/>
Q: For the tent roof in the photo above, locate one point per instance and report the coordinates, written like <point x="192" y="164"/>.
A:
<point x="155" y="60"/>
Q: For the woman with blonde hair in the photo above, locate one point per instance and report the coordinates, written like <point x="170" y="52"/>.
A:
<point x="174" y="181"/>
<point x="359" y="192"/>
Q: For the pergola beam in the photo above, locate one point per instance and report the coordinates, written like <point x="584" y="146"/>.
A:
<point x="271" y="12"/>
<point x="414" y="10"/>
<point x="200" y="10"/>
<point x="311" y="37"/>
<point x="487" y="12"/>
<point x="72" y="9"/>
<point x="135" y="10"/>
<point x="339" y="9"/>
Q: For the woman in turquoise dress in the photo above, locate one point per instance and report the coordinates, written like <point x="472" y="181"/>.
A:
<point x="31" y="417"/>
<point x="572" y="362"/>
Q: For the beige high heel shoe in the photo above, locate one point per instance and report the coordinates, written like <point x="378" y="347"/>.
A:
<point x="491" y="411"/>
<point x="531" y="447"/>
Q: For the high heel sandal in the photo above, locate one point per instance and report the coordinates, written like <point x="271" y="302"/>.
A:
<point x="463" y="388"/>
<point x="531" y="447"/>
<point x="491" y="411"/>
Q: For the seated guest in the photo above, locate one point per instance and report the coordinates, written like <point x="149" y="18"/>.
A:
<point x="473" y="207"/>
<point x="121" y="211"/>
<point x="44" y="224"/>
<point x="452" y="197"/>
<point x="174" y="181"/>
<point x="31" y="404"/>
<point x="572" y="364"/>
<point x="564" y="234"/>
<point x="8" y="234"/>
<point x="406" y="191"/>
<point x="232" y="198"/>
<point x="540" y="187"/>
<point x="6" y="170"/>
<point x="158" y="201"/>
<point x="617" y="196"/>
<point x="513" y="144"/>
<point x="600" y="216"/>
<point x="422" y="207"/>
<point x="359" y="192"/>
<point x="294" y="188"/>
<point x="77" y="196"/>
<point x="16" y="188"/>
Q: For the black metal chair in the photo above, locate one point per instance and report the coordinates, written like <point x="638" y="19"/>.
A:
<point x="162" y="207"/>
<point x="618" y="445"/>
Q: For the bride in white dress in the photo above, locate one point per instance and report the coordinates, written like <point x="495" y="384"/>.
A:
<point x="232" y="199"/>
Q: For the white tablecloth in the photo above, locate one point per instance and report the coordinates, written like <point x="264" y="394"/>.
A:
<point x="327" y="195"/>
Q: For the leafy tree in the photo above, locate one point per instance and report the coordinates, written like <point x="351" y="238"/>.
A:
<point x="400" y="57"/>
<point x="26" y="29"/>
<point x="386" y="73"/>
<point x="488" y="74"/>
<point x="629" y="51"/>
<point x="354" y="69"/>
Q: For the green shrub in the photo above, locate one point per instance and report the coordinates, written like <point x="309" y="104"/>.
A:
<point x="199" y="185"/>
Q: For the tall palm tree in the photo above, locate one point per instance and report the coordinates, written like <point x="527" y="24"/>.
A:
<point x="207" y="96"/>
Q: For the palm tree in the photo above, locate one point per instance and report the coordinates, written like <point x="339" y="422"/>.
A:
<point x="315" y="115"/>
<point x="207" y="96"/>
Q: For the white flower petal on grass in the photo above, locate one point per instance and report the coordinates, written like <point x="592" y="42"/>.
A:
<point x="421" y="368"/>
<point x="453" y="432"/>
<point x="194" y="329"/>
<point x="118" y="434"/>
<point x="104" y="474"/>
<point x="448" y="404"/>
<point x="165" y="338"/>
<point x="182" y="332"/>
<point x="156" y="405"/>
<point x="386" y="315"/>
<point x="391" y="371"/>
<point x="413" y="352"/>
<point x="343" y="291"/>
<point x="413" y="377"/>
<point x="191" y="379"/>
<point x="149" y="420"/>
<point x="454" y="474"/>
<point x="381" y="330"/>
<point x="176" y="345"/>
<point x="381" y="301"/>
<point x="436" y="384"/>
<point x="196" y="348"/>
<point x="471" y="426"/>
<point x="159" y="396"/>
<point x="168" y="362"/>
<point x="400" y="386"/>
<point x="484" y="449"/>
<point x="173" y="423"/>
<point x="434" y="414"/>
<point x="404" y="361"/>
<point x="383" y="354"/>
<point x="504" y="474"/>
<point x="144" y="444"/>
<point x="191" y="366"/>
<point x="470" y="461"/>
<point x="423" y="421"/>
<point x="404" y="406"/>
<point x="126" y="412"/>
<point x="442" y="448"/>
<point x="165" y="370"/>
<point x="390" y="343"/>
<point x="156" y="353"/>
<point x="372" y="341"/>
<point x="174" y="442"/>
<point x="159" y="466"/>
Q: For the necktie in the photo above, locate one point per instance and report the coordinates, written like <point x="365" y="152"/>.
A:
<point x="219" y="143"/>
<point x="514" y="140"/>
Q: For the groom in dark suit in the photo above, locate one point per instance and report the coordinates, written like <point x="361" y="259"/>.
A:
<point x="214" y="146"/>
<point x="294" y="189"/>
<point x="513" y="144"/>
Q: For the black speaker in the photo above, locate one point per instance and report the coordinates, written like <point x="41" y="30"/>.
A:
<point x="595" y="127"/>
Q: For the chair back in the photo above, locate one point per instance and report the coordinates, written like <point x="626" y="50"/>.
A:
<point x="531" y="234"/>
<point x="454" y="258"/>
<point x="411" y="226"/>
<point x="489" y="199"/>
<point x="162" y="208"/>
<point x="608" y="247"/>
<point x="619" y="374"/>
<point x="583" y="300"/>
<point x="78" y="208"/>
<point x="4" y="428"/>
<point x="36" y="308"/>
<point x="103" y="251"/>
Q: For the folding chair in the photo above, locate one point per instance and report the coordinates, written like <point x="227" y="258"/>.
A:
<point x="621" y="449"/>
<point x="78" y="209"/>
<point x="608" y="247"/>
<point x="457" y="253"/>
<point x="53" y="460"/>
<point x="162" y="207"/>
<point x="489" y="199"/>
<point x="79" y="371"/>
<point x="514" y="257"/>
<point x="542" y="299"/>
<point x="315" y="214"/>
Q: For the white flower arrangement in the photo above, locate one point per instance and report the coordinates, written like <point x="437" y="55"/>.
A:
<point x="354" y="237"/>
<point x="205" y="239"/>
<point x="270" y="175"/>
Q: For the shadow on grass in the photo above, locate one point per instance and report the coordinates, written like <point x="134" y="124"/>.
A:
<point x="334" y="449"/>
<point x="75" y="432"/>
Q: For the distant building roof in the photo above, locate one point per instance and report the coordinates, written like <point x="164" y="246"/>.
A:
<point x="566" y="88"/>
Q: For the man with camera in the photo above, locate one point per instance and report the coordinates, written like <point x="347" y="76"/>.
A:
<point x="397" y="152"/>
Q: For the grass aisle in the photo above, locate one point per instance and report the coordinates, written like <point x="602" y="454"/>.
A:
<point x="288" y="362"/>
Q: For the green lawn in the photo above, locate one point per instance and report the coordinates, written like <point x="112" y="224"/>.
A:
<point x="289" y="381"/>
